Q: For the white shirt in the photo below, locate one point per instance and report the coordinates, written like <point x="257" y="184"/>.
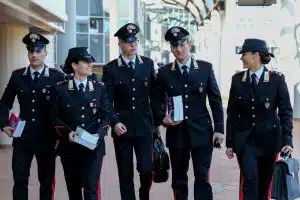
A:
<point x="127" y="61"/>
<point x="188" y="64"/>
<point x="258" y="74"/>
<point x="33" y="70"/>
<point x="77" y="82"/>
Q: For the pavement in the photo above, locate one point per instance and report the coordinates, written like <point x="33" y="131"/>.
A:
<point x="224" y="176"/>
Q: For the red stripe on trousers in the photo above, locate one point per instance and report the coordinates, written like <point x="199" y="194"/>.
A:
<point x="271" y="183"/>
<point x="99" y="185"/>
<point x="53" y="188"/>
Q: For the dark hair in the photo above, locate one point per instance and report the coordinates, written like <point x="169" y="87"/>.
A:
<point x="264" y="58"/>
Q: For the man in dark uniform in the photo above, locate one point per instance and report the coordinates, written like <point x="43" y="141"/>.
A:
<point x="32" y="85"/>
<point x="81" y="102"/>
<point x="256" y="131"/>
<point x="194" y="81"/>
<point x="129" y="81"/>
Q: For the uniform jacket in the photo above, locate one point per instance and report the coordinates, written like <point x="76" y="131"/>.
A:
<point x="197" y="127"/>
<point x="90" y="112"/>
<point x="267" y="113"/>
<point x="130" y="93"/>
<point x="34" y="105"/>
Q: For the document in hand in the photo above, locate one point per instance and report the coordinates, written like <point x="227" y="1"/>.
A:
<point x="16" y="123"/>
<point x="175" y="107"/>
<point x="86" y="139"/>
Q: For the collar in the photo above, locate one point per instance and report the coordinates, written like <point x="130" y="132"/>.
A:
<point x="188" y="63"/>
<point x="127" y="61"/>
<point x="41" y="69"/>
<point x="258" y="72"/>
<point x="77" y="82"/>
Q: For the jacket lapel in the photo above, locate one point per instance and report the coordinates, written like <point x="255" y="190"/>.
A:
<point x="174" y="69"/>
<point x="246" y="83"/>
<point x="27" y="77"/>
<point x="138" y="72"/>
<point x="194" y="70"/>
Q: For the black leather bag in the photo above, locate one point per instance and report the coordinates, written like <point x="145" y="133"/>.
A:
<point x="161" y="163"/>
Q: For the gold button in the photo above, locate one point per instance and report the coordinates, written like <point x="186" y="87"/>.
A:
<point x="82" y="125"/>
<point x="82" y="116"/>
<point x="133" y="80"/>
<point x="33" y="119"/>
<point x="82" y="108"/>
<point x="133" y="98"/>
<point x="33" y="91"/>
<point x="133" y="89"/>
<point x="33" y="100"/>
<point x="185" y="85"/>
<point x="186" y="117"/>
<point x="33" y="110"/>
<point x="186" y="106"/>
<point x="186" y="96"/>
<point x="133" y="107"/>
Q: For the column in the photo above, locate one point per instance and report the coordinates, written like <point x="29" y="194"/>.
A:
<point x="67" y="40"/>
<point x="13" y="56"/>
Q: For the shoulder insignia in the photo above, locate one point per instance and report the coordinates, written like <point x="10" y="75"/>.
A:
<point x="277" y="73"/>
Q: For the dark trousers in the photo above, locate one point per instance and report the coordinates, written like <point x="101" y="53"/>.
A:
<point x="201" y="158"/>
<point x="83" y="173"/>
<point x="21" y="164"/>
<point x="124" y="155"/>
<point x="256" y="174"/>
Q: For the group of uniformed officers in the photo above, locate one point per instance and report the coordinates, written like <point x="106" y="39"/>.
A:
<point x="132" y="100"/>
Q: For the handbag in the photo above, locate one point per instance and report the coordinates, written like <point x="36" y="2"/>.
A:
<point x="286" y="184"/>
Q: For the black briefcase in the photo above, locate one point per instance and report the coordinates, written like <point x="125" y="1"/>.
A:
<point x="161" y="163"/>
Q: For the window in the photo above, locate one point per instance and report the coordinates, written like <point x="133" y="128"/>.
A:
<point x="99" y="25"/>
<point x="82" y="25"/>
<point x="97" y="45"/>
<point x="82" y="7"/>
<point x="124" y="7"/>
<point x="82" y="40"/>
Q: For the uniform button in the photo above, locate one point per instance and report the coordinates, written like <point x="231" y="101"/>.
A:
<point x="133" y="107"/>
<point x="82" y="125"/>
<point x="33" y="119"/>
<point x="253" y="99"/>
<point x="33" y="91"/>
<point x="133" y="98"/>
<point x="186" y="117"/>
<point x="186" y="96"/>
<point x="82" y="108"/>
<point x="185" y="85"/>
<point x="133" y="89"/>
<point x="133" y="80"/>
<point x="33" y="110"/>
<point x="253" y="116"/>
<point x="252" y="107"/>
<point x="99" y="120"/>
<point x="82" y="116"/>
<point x="33" y="100"/>
<point x="186" y="106"/>
<point x="253" y="124"/>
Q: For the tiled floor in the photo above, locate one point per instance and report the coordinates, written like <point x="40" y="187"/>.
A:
<point x="224" y="177"/>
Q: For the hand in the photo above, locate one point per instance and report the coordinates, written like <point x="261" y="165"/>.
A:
<point x="9" y="131"/>
<point x="219" y="137"/>
<point x="72" y="136"/>
<point x="286" y="150"/>
<point x="120" y="129"/>
<point x="229" y="153"/>
<point x="169" y="122"/>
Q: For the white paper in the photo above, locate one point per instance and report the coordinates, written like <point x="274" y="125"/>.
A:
<point x="19" y="129"/>
<point x="178" y="108"/>
<point x="86" y="139"/>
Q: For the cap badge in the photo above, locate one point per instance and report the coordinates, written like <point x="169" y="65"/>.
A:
<point x="130" y="28"/>
<point x="33" y="37"/>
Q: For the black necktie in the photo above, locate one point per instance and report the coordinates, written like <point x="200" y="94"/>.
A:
<point x="253" y="82"/>
<point x="81" y="86"/>
<point x="36" y="77"/>
<point x="131" y="65"/>
<point x="185" y="72"/>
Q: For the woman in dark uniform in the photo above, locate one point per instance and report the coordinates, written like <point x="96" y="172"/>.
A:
<point x="81" y="102"/>
<point x="259" y="123"/>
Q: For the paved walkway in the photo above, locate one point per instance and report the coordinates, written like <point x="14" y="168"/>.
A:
<point x="224" y="177"/>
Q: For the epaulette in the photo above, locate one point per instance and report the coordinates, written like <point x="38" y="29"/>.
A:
<point x="110" y="62"/>
<point x="276" y="73"/>
<point x="61" y="82"/>
<point x="98" y="82"/>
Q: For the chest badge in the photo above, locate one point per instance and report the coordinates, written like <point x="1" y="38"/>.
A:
<point x="201" y="88"/>
<point x="267" y="104"/>
<point x="44" y="90"/>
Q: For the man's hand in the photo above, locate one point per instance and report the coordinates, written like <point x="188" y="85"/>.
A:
<point x="9" y="131"/>
<point x="287" y="150"/>
<point x="219" y="137"/>
<point x="120" y="129"/>
<point x="168" y="120"/>
<point x="229" y="153"/>
<point x="72" y="136"/>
